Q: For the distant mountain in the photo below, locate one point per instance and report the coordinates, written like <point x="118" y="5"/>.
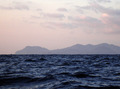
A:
<point x="33" y="50"/>
<point x="103" y="48"/>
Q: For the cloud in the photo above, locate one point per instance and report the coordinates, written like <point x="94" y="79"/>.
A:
<point x="39" y="9"/>
<point x="111" y="21"/>
<point x="36" y="17"/>
<point x="54" y="15"/>
<point x="103" y="9"/>
<point x="108" y="17"/>
<point x="60" y="25"/>
<point x="97" y="8"/>
<point x="62" y="9"/>
<point x="6" y="8"/>
<point x="15" y="6"/>
<point x="79" y="9"/>
<point x="86" y="21"/>
<point x="108" y="1"/>
<point x="21" y="7"/>
<point x="82" y="23"/>
<point x="106" y="24"/>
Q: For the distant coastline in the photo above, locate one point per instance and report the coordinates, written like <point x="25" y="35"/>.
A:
<point x="103" y="48"/>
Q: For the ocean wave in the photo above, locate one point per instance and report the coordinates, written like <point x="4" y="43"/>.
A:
<point x="60" y="71"/>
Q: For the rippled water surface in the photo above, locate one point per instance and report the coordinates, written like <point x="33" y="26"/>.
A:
<point x="59" y="71"/>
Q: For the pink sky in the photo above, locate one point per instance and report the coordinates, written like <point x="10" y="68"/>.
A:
<point x="57" y="23"/>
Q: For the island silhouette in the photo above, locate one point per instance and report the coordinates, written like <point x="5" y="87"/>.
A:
<point x="103" y="48"/>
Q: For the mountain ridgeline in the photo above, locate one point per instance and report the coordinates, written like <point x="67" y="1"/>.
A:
<point x="103" y="48"/>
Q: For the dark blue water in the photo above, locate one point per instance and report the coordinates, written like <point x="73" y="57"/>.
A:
<point x="59" y="71"/>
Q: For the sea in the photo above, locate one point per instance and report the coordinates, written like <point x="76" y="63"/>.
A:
<point x="60" y="71"/>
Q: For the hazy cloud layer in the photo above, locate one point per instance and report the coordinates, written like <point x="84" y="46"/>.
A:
<point x="103" y="1"/>
<point x="58" y="23"/>
<point x="54" y="15"/>
<point x="108" y="17"/>
<point x="6" y="8"/>
<point x="106" y="22"/>
<point x="15" y="6"/>
<point x="62" y="9"/>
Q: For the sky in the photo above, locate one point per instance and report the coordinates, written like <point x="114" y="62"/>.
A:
<point x="55" y="24"/>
